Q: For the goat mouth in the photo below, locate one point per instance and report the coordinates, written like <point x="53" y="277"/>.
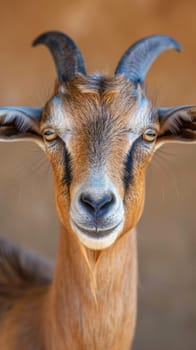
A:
<point x="98" y="232"/>
<point x="99" y="238"/>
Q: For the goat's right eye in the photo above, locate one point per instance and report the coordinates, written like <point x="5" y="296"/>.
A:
<point x="50" y="134"/>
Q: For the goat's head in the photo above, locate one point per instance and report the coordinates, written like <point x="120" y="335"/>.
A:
<point x="99" y="134"/>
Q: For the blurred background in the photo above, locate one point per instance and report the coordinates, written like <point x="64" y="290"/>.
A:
<point x="166" y="234"/>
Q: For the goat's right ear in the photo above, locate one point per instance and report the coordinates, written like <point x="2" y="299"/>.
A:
<point x="20" y="124"/>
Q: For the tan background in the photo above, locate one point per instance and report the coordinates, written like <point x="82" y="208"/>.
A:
<point x="167" y="238"/>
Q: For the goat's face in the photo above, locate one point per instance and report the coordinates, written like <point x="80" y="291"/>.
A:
<point x="99" y="134"/>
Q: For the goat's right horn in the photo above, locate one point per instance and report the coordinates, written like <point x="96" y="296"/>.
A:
<point x="137" y="60"/>
<point x="66" y="54"/>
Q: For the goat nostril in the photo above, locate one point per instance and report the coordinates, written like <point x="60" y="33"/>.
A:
<point x="95" y="204"/>
<point x="87" y="201"/>
<point x="107" y="201"/>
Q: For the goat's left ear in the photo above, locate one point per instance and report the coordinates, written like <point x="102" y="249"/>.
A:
<point x="177" y="124"/>
<point x="20" y="124"/>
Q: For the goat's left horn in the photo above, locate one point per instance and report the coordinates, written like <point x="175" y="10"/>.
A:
<point x="137" y="60"/>
<point x="66" y="54"/>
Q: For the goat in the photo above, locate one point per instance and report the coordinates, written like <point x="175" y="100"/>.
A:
<point x="99" y="134"/>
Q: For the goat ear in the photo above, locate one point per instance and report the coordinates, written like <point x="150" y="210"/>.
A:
<point x="20" y="124"/>
<point x="177" y="124"/>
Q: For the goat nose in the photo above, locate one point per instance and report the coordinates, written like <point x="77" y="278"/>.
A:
<point x="97" y="205"/>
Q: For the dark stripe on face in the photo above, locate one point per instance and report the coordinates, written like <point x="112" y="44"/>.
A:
<point x="67" y="178"/>
<point x="128" y="165"/>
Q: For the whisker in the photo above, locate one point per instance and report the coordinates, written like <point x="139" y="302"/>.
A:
<point x="161" y="159"/>
<point x="164" y="152"/>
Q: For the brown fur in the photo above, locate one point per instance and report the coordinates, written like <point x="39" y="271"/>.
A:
<point x="38" y="313"/>
<point x="91" y="301"/>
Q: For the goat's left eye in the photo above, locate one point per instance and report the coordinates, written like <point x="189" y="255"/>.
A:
<point x="50" y="134"/>
<point x="149" y="135"/>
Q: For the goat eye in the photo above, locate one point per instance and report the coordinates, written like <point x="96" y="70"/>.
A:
<point x="149" y="135"/>
<point x="49" y="134"/>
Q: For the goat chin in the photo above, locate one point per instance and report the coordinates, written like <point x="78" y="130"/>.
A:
<point x="99" y="242"/>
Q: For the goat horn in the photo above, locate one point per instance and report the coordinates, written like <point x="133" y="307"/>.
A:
<point x="66" y="54"/>
<point x="137" y="60"/>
